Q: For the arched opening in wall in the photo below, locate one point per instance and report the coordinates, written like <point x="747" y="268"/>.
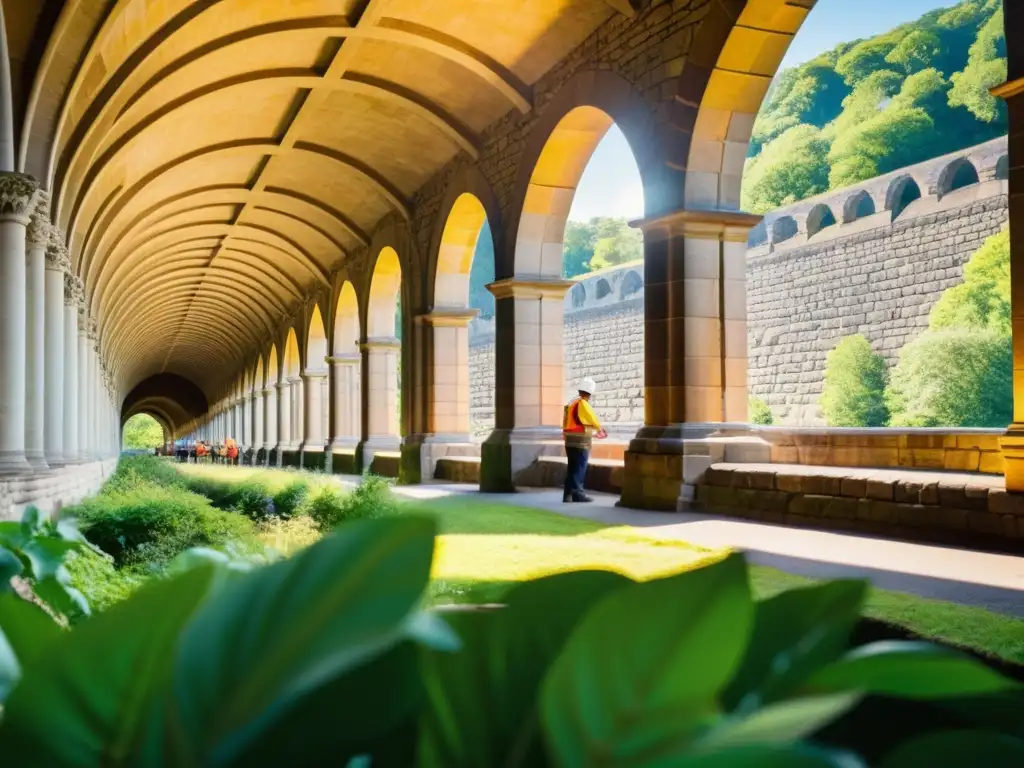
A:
<point x="1003" y="168"/>
<point x="819" y="218"/>
<point x="957" y="175"/>
<point x="630" y="286"/>
<point x="462" y="401"/>
<point x="256" y="417"/>
<point x="383" y="359"/>
<point x="347" y="362"/>
<point x="271" y="388"/>
<point x="858" y="206"/>
<point x="315" y="384"/>
<point x="758" y="235"/>
<point x="603" y="288"/>
<point x="584" y="190"/>
<point x="142" y="434"/>
<point x="784" y="228"/>
<point x="291" y="424"/>
<point x="901" y="194"/>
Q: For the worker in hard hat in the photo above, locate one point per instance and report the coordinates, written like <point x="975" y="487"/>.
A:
<point x="579" y="427"/>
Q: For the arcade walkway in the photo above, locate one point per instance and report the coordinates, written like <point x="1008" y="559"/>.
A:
<point x="210" y="211"/>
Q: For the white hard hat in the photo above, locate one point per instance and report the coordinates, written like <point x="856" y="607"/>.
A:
<point x="587" y="385"/>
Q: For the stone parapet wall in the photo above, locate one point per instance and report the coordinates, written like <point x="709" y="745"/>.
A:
<point x="51" y="491"/>
<point x="975" y="450"/>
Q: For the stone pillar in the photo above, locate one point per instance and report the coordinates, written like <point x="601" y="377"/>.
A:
<point x="57" y="266"/>
<point x="296" y="398"/>
<point x="258" y="430"/>
<point x="284" y="419"/>
<point x="70" y="386"/>
<point x="695" y="354"/>
<point x="347" y="415"/>
<point x="380" y="366"/>
<point x="1013" y="92"/>
<point x="245" y="408"/>
<point x="37" y="239"/>
<point x="315" y="439"/>
<point x="529" y="379"/>
<point x="84" y="388"/>
<point x="17" y="200"/>
<point x="270" y="395"/>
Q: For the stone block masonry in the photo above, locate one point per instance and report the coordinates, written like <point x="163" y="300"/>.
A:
<point x="881" y="283"/>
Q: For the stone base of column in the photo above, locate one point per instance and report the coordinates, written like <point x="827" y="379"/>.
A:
<point x="1012" y="444"/>
<point x="382" y="456"/>
<point x="345" y="457"/>
<point x="664" y="464"/>
<point x="274" y="456"/>
<point x="37" y="460"/>
<point x="14" y="463"/>
<point x="420" y="453"/>
<point x="314" y="458"/>
<point x="507" y="452"/>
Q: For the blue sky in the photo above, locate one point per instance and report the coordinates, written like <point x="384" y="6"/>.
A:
<point x="611" y="183"/>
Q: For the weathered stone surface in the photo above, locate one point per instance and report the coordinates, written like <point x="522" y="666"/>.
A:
<point x="1003" y="503"/>
<point x="883" y="490"/>
<point x="854" y="486"/>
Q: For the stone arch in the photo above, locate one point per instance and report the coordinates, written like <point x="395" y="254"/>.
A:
<point x="1003" y="168"/>
<point x="258" y="375"/>
<point x="958" y="174"/>
<point x="784" y="228"/>
<point x="556" y="154"/>
<point x="292" y="360"/>
<point x="578" y="295"/>
<point x="631" y="284"/>
<point x="385" y="288"/>
<point x="603" y="288"/>
<point x="820" y="217"/>
<point x="316" y="340"/>
<point x="758" y="234"/>
<point x="273" y="369"/>
<point x="901" y="192"/>
<point x="346" y="321"/>
<point x="467" y="189"/>
<point x="462" y="230"/>
<point x="859" y="205"/>
<point x="726" y="75"/>
<point x="383" y="355"/>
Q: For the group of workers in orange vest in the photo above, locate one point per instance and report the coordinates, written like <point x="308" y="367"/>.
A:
<point x="202" y="450"/>
<point x="580" y="426"/>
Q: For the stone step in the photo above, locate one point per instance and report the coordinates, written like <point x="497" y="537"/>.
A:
<point x="458" y="469"/>
<point x="961" y="508"/>
<point x="386" y="464"/>
<point x="549" y="472"/>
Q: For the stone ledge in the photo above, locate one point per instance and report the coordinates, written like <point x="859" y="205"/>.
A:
<point x="945" y="507"/>
<point x="458" y="469"/>
<point x="386" y="464"/>
<point x="604" y="475"/>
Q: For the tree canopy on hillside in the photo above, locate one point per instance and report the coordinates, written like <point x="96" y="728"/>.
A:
<point x="871" y="106"/>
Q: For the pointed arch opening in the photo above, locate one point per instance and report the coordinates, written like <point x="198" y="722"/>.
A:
<point x="346" y="361"/>
<point x="383" y="357"/>
<point x="316" y="395"/>
<point x="290" y="405"/>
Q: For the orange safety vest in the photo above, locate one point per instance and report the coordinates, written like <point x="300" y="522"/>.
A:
<point x="574" y="432"/>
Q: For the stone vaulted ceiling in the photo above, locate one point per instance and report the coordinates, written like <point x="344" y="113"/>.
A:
<point x="212" y="160"/>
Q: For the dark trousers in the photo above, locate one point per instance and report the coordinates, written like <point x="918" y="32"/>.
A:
<point x="576" y="471"/>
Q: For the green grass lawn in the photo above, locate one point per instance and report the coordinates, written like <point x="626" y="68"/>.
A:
<point x="483" y="548"/>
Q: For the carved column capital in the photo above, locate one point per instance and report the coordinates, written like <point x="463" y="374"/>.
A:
<point x="17" y="195"/>
<point x="57" y="256"/>
<point x="74" y="293"/>
<point x="39" y="227"/>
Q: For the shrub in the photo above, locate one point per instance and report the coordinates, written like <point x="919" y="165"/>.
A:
<point x="217" y="491"/>
<point x="290" y="500"/>
<point x="953" y="378"/>
<point x="982" y="300"/>
<point x="252" y="499"/>
<point x="854" y="390"/>
<point x="96" y="577"/>
<point x="760" y="412"/>
<point x="152" y="524"/>
<point x="219" y="667"/>
<point x="372" y="498"/>
<point x="132" y="470"/>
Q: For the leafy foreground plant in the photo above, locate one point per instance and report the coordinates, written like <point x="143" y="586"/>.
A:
<point x="328" y="659"/>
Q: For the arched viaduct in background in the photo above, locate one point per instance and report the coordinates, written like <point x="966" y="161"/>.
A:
<point x="238" y="193"/>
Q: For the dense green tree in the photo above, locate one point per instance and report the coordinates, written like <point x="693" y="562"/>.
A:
<point x="811" y="94"/>
<point x="866" y="58"/>
<point x="854" y="390"/>
<point x="915" y="51"/>
<point x="986" y="67"/>
<point x="982" y="300"/>
<point x="577" y="248"/>
<point x="790" y="168"/>
<point x="887" y="141"/>
<point x="616" y="243"/>
<point x="142" y="431"/>
<point x="955" y="377"/>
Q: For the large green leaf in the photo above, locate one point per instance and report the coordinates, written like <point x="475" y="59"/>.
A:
<point x="273" y="636"/>
<point x="911" y="671"/>
<point x="82" y="701"/>
<point x="483" y="701"/>
<point x="10" y="566"/>
<point x="362" y="712"/>
<point x="641" y="675"/>
<point x="959" y="749"/>
<point x="57" y="592"/>
<point x="795" y="634"/>
<point x="780" y="723"/>
<point x="765" y="756"/>
<point x="25" y="631"/>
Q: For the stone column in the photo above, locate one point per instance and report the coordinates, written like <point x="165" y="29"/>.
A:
<point x="17" y="200"/>
<point x="269" y="421"/>
<point x="57" y="266"/>
<point x="284" y="419"/>
<point x="37" y="239"/>
<point x="70" y="385"/>
<point x="529" y="378"/>
<point x="346" y="418"/>
<point x="1013" y="92"/>
<point x="245" y="408"/>
<point x="83" y="386"/>
<point x="297" y="398"/>
<point x="695" y="354"/>
<point x="380" y="366"/>
<point x="258" y="428"/>
<point x="313" y="385"/>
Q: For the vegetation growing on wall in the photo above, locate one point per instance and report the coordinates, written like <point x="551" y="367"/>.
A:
<point x="871" y="106"/>
<point x="854" y="391"/>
